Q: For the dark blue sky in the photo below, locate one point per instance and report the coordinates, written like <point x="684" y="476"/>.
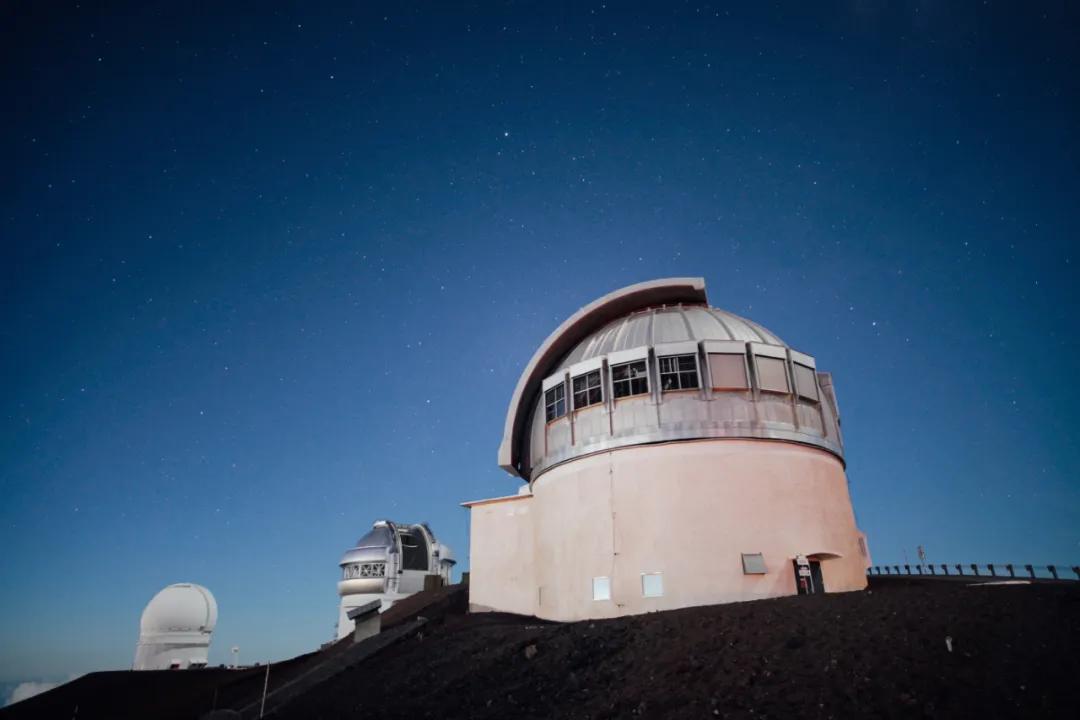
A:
<point x="270" y="275"/>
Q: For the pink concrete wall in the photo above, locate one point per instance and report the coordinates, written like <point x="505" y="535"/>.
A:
<point x="501" y="556"/>
<point x="687" y="510"/>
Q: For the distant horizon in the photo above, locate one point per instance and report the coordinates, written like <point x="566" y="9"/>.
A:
<point x="269" y="277"/>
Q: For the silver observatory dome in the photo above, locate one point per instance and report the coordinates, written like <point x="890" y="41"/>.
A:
<point x="654" y="363"/>
<point x="678" y="323"/>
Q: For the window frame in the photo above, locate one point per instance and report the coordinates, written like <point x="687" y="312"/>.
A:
<point x="787" y="375"/>
<point x="678" y="372"/>
<point x="606" y="587"/>
<point x="644" y="592"/>
<point x="747" y="571"/>
<point x="795" y="365"/>
<point x="549" y="404"/>
<point x="629" y="381"/>
<point x="725" y="388"/>
<point x="598" y="387"/>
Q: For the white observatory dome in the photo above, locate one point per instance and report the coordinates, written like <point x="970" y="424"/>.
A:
<point x="175" y="629"/>
<point x="183" y="607"/>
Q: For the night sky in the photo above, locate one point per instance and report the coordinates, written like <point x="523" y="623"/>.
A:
<point x="269" y="275"/>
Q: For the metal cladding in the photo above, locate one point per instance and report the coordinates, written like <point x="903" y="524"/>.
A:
<point x="364" y="566"/>
<point x="654" y="363"/>
<point x="175" y="628"/>
<point x="388" y="563"/>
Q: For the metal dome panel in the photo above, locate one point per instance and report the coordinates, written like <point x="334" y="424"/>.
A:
<point x="183" y="607"/>
<point x="657" y="326"/>
<point x="661" y="323"/>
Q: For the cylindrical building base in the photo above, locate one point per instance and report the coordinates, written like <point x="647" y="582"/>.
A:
<point x="659" y="527"/>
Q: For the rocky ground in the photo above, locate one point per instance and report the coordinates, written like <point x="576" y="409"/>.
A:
<point x="881" y="653"/>
<point x="902" y="649"/>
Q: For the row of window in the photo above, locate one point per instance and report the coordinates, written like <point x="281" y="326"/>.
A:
<point x="652" y="584"/>
<point x="680" y="372"/>
<point x="365" y="570"/>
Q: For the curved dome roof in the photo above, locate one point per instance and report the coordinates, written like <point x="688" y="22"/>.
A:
<point x="661" y="315"/>
<point x="379" y="542"/>
<point x="183" y="607"/>
<point x="667" y="324"/>
<point x="657" y="311"/>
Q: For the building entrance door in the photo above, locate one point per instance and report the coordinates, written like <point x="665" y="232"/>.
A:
<point x="808" y="577"/>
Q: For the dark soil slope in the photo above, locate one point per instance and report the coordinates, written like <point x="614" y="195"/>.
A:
<point x="159" y="694"/>
<point x="881" y="653"/>
<point x="171" y="695"/>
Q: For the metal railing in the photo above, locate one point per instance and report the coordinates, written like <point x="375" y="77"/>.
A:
<point x="992" y="570"/>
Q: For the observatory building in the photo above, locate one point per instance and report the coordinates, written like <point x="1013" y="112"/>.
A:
<point x="675" y="454"/>
<point x="391" y="562"/>
<point x="174" y="633"/>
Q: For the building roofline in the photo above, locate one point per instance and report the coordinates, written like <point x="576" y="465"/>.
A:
<point x="491" y="501"/>
<point x="667" y="291"/>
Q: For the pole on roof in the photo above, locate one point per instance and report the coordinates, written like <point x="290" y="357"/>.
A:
<point x="266" y="683"/>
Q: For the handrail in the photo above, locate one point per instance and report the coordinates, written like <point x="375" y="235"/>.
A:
<point x="1034" y="572"/>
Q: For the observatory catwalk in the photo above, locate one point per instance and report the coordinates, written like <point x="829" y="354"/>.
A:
<point x="674" y="455"/>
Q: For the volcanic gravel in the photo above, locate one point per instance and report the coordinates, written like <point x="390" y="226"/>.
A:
<point x="880" y="653"/>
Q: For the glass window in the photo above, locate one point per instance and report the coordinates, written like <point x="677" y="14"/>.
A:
<point x="806" y="382"/>
<point x="728" y="371"/>
<point x="629" y="379"/>
<point x="753" y="564"/>
<point x="587" y="390"/>
<point x="678" y="372"/>
<point x="601" y="588"/>
<point x="555" y="401"/>
<point x="772" y="374"/>
<point x="652" y="584"/>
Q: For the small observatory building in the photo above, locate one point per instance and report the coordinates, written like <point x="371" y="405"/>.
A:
<point x="391" y="562"/>
<point x="675" y="455"/>
<point x="175" y="629"/>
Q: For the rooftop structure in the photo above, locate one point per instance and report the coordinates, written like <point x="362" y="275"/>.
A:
<point x="390" y="562"/>
<point x="175" y="628"/>
<point x="645" y="423"/>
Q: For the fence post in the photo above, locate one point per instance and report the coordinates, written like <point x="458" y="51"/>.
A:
<point x="931" y="567"/>
<point x="897" y="569"/>
<point x="944" y="568"/>
<point x="907" y="569"/>
<point x="266" y="684"/>
<point x="1053" y="570"/>
<point x="959" y="569"/>
<point x="919" y="568"/>
<point x="975" y="568"/>
<point x="1076" y="569"/>
<point x="1031" y="570"/>
<point x="1012" y="572"/>
<point x="990" y="567"/>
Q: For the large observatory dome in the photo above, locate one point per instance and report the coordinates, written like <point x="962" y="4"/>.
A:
<point x="654" y="363"/>
<point x="645" y="422"/>
<point x="183" y="608"/>
<point x="677" y="323"/>
<point x="175" y="628"/>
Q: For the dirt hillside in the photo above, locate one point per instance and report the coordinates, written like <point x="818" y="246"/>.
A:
<point x="881" y="653"/>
